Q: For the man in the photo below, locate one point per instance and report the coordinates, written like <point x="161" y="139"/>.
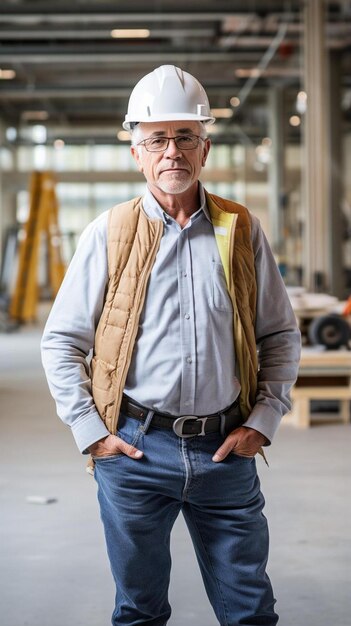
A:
<point x="174" y="293"/>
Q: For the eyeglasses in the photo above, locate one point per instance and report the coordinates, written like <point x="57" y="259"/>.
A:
<point x="160" y="144"/>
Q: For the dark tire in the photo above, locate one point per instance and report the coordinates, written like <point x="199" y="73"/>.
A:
<point x="331" y="331"/>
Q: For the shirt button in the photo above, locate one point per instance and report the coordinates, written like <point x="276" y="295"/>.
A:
<point x="185" y="274"/>
<point x="187" y="402"/>
<point x="187" y="316"/>
<point x="189" y="359"/>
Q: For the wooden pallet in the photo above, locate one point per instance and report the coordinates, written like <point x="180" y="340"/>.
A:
<point x="323" y="375"/>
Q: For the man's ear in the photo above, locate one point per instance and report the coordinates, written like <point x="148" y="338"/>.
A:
<point x="136" y="156"/>
<point x="207" y="145"/>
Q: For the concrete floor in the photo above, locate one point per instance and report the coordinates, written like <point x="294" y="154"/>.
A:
<point x="53" y="567"/>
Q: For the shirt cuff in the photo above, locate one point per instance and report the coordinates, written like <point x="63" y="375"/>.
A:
<point x="265" y="420"/>
<point x="88" y="430"/>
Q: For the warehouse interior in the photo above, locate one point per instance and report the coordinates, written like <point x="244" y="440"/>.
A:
<point x="278" y="77"/>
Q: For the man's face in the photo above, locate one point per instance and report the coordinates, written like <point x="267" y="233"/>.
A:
<point x="173" y="171"/>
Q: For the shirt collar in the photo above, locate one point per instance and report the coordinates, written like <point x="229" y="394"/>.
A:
<point x="154" y="211"/>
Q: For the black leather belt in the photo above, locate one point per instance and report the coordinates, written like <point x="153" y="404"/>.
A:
<point x="187" y="425"/>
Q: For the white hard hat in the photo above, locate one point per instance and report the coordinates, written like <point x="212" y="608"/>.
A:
<point x="165" y="95"/>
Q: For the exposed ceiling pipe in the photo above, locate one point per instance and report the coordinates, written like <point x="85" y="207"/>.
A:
<point x="262" y="65"/>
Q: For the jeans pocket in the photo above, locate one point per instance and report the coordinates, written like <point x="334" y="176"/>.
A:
<point x="241" y="457"/>
<point x="107" y="457"/>
<point x="129" y="429"/>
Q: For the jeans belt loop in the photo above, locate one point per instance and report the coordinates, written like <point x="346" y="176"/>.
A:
<point x="145" y="425"/>
<point x="222" y="425"/>
<point x="178" y="425"/>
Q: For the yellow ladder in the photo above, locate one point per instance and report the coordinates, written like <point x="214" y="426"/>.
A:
<point x="42" y="222"/>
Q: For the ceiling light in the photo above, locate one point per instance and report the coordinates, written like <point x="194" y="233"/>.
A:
<point x="130" y="33"/>
<point x="34" y="116"/>
<point x="222" y="112"/>
<point x="242" y="73"/>
<point x="39" y="134"/>
<point x="214" y="129"/>
<point x="301" y="102"/>
<point x="7" y="74"/>
<point x="254" y="72"/>
<point x="266" y="141"/>
<point x="295" y="120"/>
<point x="59" y="144"/>
<point x="123" y="135"/>
<point x="263" y="154"/>
<point x="11" y="133"/>
<point x="235" y="101"/>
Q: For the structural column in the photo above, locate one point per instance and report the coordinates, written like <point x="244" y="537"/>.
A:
<point x="2" y="203"/>
<point x="7" y="201"/>
<point x="316" y="170"/>
<point x="276" y="167"/>
<point x="337" y="226"/>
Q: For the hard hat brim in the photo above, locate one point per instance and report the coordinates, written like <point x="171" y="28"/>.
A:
<point x="168" y="117"/>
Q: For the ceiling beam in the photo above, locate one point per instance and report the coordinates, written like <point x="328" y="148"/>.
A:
<point x="102" y="33"/>
<point x="102" y="91"/>
<point x="56" y="55"/>
<point x="179" y="10"/>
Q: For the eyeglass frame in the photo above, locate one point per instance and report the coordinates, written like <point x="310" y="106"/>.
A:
<point x="142" y="143"/>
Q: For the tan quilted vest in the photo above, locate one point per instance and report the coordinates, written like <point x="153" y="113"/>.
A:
<point x="133" y="242"/>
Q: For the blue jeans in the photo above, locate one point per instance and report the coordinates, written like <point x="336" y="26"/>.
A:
<point x="222" y="506"/>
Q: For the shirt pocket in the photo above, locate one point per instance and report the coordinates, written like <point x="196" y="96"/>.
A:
<point x="220" y="298"/>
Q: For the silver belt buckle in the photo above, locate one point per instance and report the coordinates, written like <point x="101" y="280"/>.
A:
<point x="178" y="425"/>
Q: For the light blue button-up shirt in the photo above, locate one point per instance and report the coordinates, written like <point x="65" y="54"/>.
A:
<point x="183" y="360"/>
